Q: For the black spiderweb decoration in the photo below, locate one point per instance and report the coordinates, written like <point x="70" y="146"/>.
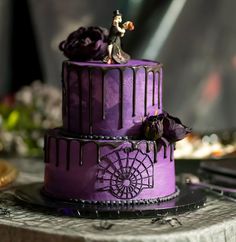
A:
<point x="125" y="173"/>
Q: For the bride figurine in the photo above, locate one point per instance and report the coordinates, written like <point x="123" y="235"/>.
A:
<point x="115" y="53"/>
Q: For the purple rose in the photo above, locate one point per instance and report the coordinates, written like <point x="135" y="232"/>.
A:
<point x="153" y="127"/>
<point x="86" y="44"/>
<point x="174" y="130"/>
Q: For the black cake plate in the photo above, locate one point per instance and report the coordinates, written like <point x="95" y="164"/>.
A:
<point x="189" y="199"/>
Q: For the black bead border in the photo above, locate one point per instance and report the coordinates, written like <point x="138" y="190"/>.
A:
<point x="99" y="137"/>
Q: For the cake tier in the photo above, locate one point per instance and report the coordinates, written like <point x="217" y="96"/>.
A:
<point x="108" y="170"/>
<point x="101" y="99"/>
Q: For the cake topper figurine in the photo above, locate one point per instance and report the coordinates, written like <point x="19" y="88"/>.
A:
<point x="117" y="31"/>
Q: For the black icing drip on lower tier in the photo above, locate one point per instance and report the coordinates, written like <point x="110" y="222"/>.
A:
<point x="45" y="147"/>
<point x="57" y="153"/>
<point x="68" y="155"/>
<point x="171" y="152"/>
<point x="155" y="151"/>
<point x="134" y="145"/>
<point x="104" y="70"/>
<point x="81" y="155"/>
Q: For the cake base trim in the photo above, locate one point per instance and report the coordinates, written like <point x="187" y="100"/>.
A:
<point x="116" y="202"/>
<point x="189" y="199"/>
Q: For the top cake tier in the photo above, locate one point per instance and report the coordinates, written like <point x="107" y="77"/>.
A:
<point x="110" y="100"/>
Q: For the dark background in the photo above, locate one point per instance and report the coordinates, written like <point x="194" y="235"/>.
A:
<point x="194" y="39"/>
<point x="23" y="49"/>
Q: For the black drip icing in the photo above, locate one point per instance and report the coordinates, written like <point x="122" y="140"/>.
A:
<point x="104" y="70"/>
<point x="57" y="152"/>
<point x="172" y="148"/>
<point x="63" y="91"/>
<point x="79" y="74"/>
<point x="103" y="95"/>
<point x="153" y="88"/>
<point x="90" y="102"/>
<point x="159" y="87"/>
<point x="134" y="144"/>
<point x="46" y="149"/>
<point x="134" y="91"/>
<point x="145" y="91"/>
<point x="68" y="97"/>
<point x="121" y="98"/>
<point x="68" y="155"/>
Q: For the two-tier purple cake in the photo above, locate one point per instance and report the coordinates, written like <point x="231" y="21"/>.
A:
<point x="115" y="145"/>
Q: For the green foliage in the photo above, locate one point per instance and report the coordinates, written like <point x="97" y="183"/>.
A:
<point x="23" y="123"/>
<point x="17" y="121"/>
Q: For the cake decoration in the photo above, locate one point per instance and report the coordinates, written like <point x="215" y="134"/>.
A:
<point x="97" y="43"/>
<point x="104" y="152"/>
<point x="97" y="111"/>
<point x="166" y="126"/>
<point x="153" y="127"/>
<point x="86" y="44"/>
<point x="57" y="139"/>
<point x="107" y="101"/>
<point x="115" y="52"/>
<point x="173" y="128"/>
<point x="125" y="178"/>
<point x="104" y="157"/>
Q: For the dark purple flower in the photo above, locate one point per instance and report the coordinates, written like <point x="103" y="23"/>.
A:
<point x="86" y="44"/>
<point x="164" y="126"/>
<point x="174" y="130"/>
<point x="153" y="127"/>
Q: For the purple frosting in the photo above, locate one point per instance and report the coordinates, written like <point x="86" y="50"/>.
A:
<point x="109" y="100"/>
<point x="115" y="109"/>
<point x="85" y="44"/>
<point x="83" y="177"/>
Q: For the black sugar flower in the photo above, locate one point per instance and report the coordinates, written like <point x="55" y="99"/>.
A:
<point x="85" y="44"/>
<point x="153" y="127"/>
<point x="164" y="126"/>
<point x="174" y="130"/>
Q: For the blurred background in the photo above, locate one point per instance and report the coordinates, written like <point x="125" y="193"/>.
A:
<point x="194" y="39"/>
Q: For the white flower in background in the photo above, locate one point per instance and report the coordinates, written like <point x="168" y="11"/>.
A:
<point x="47" y="100"/>
<point x="40" y="142"/>
<point x="38" y="107"/>
<point x="6" y="140"/>
<point x="25" y="96"/>
<point x="21" y="146"/>
<point x="37" y="118"/>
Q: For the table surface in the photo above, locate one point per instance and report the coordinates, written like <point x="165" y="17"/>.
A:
<point x="216" y="221"/>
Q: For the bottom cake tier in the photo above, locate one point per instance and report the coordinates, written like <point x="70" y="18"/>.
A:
<point x="108" y="169"/>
